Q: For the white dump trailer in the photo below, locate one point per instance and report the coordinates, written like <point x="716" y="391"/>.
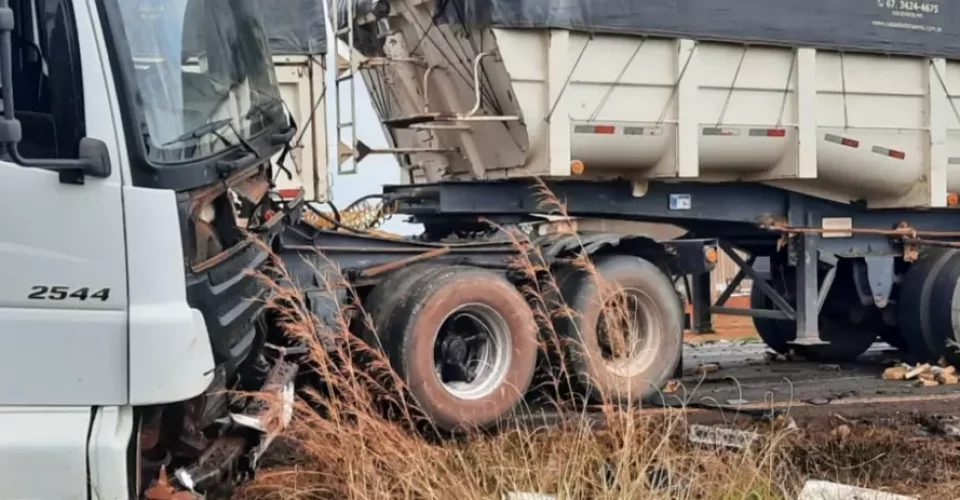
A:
<point x="298" y="46"/>
<point x="845" y="103"/>
<point x="302" y="81"/>
<point x="825" y="137"/>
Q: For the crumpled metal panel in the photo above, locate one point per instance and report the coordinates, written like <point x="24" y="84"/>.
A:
<point x="590" y="243"/>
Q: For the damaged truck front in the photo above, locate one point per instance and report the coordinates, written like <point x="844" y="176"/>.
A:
<point x="135" y="148"/>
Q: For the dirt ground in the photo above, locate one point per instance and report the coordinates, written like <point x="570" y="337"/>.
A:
<point x="727" y="327"/>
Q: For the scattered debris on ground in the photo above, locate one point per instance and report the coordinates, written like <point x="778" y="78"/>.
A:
<point x="708" y="368"/>
<point x="522" y="495"/>
<point x="924" y="375"/>
<point x="774" y="357"/>
<point x="721" y="436"/>
<point x="824" y="490"/>
<point x="672" y="386"/>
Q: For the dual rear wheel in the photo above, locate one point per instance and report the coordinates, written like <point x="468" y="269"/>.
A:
<point x="847" y="328"/>
<point x="845" y="340"/>
<point x="927" y="311"/>
<point x="465" y="343"/>
<point x="462" y="340"/>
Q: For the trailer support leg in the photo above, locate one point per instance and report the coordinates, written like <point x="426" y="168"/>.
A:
<point x="702" y="318"/>
<point x="808" y="291"/>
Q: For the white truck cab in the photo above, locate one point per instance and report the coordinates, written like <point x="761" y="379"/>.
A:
<point x="135" y="147"/>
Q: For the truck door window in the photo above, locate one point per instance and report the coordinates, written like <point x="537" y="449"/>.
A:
<point x="47" y="79"/>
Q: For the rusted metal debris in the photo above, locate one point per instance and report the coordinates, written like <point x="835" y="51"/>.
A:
<point x="397" y="264"/>
<point x="161" y="489"/>
<point x="253" y="189"/>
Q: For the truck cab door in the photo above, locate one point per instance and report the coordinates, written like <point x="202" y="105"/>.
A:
<point x="63" y="320"/>
<point x="63" y="275"/>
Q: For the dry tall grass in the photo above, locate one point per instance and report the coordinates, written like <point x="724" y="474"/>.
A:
<point x="359" y="436"/>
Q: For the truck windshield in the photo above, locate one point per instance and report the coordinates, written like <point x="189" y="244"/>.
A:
<point x="204" y="74"/>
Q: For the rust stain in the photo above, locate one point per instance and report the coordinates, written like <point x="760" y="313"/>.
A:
<point x="392" y="266"/>
<point x="253" y="189"/>
<point x="163" y="490"/>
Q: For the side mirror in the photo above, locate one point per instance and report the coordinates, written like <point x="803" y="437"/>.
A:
<point x="95" y="154"/>
<point x="94" y="158"/>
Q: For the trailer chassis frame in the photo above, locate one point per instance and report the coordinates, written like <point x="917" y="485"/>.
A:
<point x="756" y="218"/>
<point x="316" y="258"/>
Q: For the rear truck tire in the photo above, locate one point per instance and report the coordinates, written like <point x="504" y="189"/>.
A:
<point x="916" y="292"/>
<point x="846" y="340"/>
<point x="386" y="296"/>
<point x="464" y="342"/>
<point x="944" y="334"/>
<point x="654" y="325"/>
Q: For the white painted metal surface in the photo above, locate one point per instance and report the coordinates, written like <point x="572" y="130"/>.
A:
<point x="63" y="299"/>
<point x="109" y="450"/>
<point x="302" y="83"/>
<point x="162" y="325"/>
<point x="43" y="452"/>
<point x="841" y="126"/>
<point x="824" y="490"/>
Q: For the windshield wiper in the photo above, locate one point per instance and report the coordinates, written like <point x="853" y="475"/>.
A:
<point x="201" y="131"/>
<point x="261" y="108"/>
<point x="244" y="142"/>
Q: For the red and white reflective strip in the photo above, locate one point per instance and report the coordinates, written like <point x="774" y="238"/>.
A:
<point x="892" y="153"/>
<point x="768" y="132"/>
<point x="645" y="131"/>
<point x="289" y="193"/>
<point x="606" y="129"/>
<point x="750" y="132"/>
<point x="654" y="131"/>
<point x="717" y="131"/>
<point x="595" y="129"/>
<point x="843" y="141"/>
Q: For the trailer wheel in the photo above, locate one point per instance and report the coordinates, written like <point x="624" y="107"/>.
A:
<point x="893" y="336"/>
<point x="623" y="341"/>
<point x="916" y="291"/>
<point x="771" y="331"/>
<point x="846" y="340"/>
<point x="944" y="308"/>
<point x="464" y="341"/>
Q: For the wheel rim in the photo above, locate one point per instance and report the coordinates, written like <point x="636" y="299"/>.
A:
<point x="472" y="351"/>
<point x="627" y="329"/>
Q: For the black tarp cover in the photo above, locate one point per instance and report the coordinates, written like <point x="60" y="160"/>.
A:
<point x="295" y="27"/>
<point x="912" y="27"/>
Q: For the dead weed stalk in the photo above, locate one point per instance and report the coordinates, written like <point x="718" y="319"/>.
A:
<point x="356" y="434"/>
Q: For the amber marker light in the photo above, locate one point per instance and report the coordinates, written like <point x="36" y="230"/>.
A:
<point x="711" y="255"/>
<point x="576" y="167"/>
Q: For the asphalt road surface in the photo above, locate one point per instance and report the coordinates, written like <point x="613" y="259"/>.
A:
<point x="747" y="383"/>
